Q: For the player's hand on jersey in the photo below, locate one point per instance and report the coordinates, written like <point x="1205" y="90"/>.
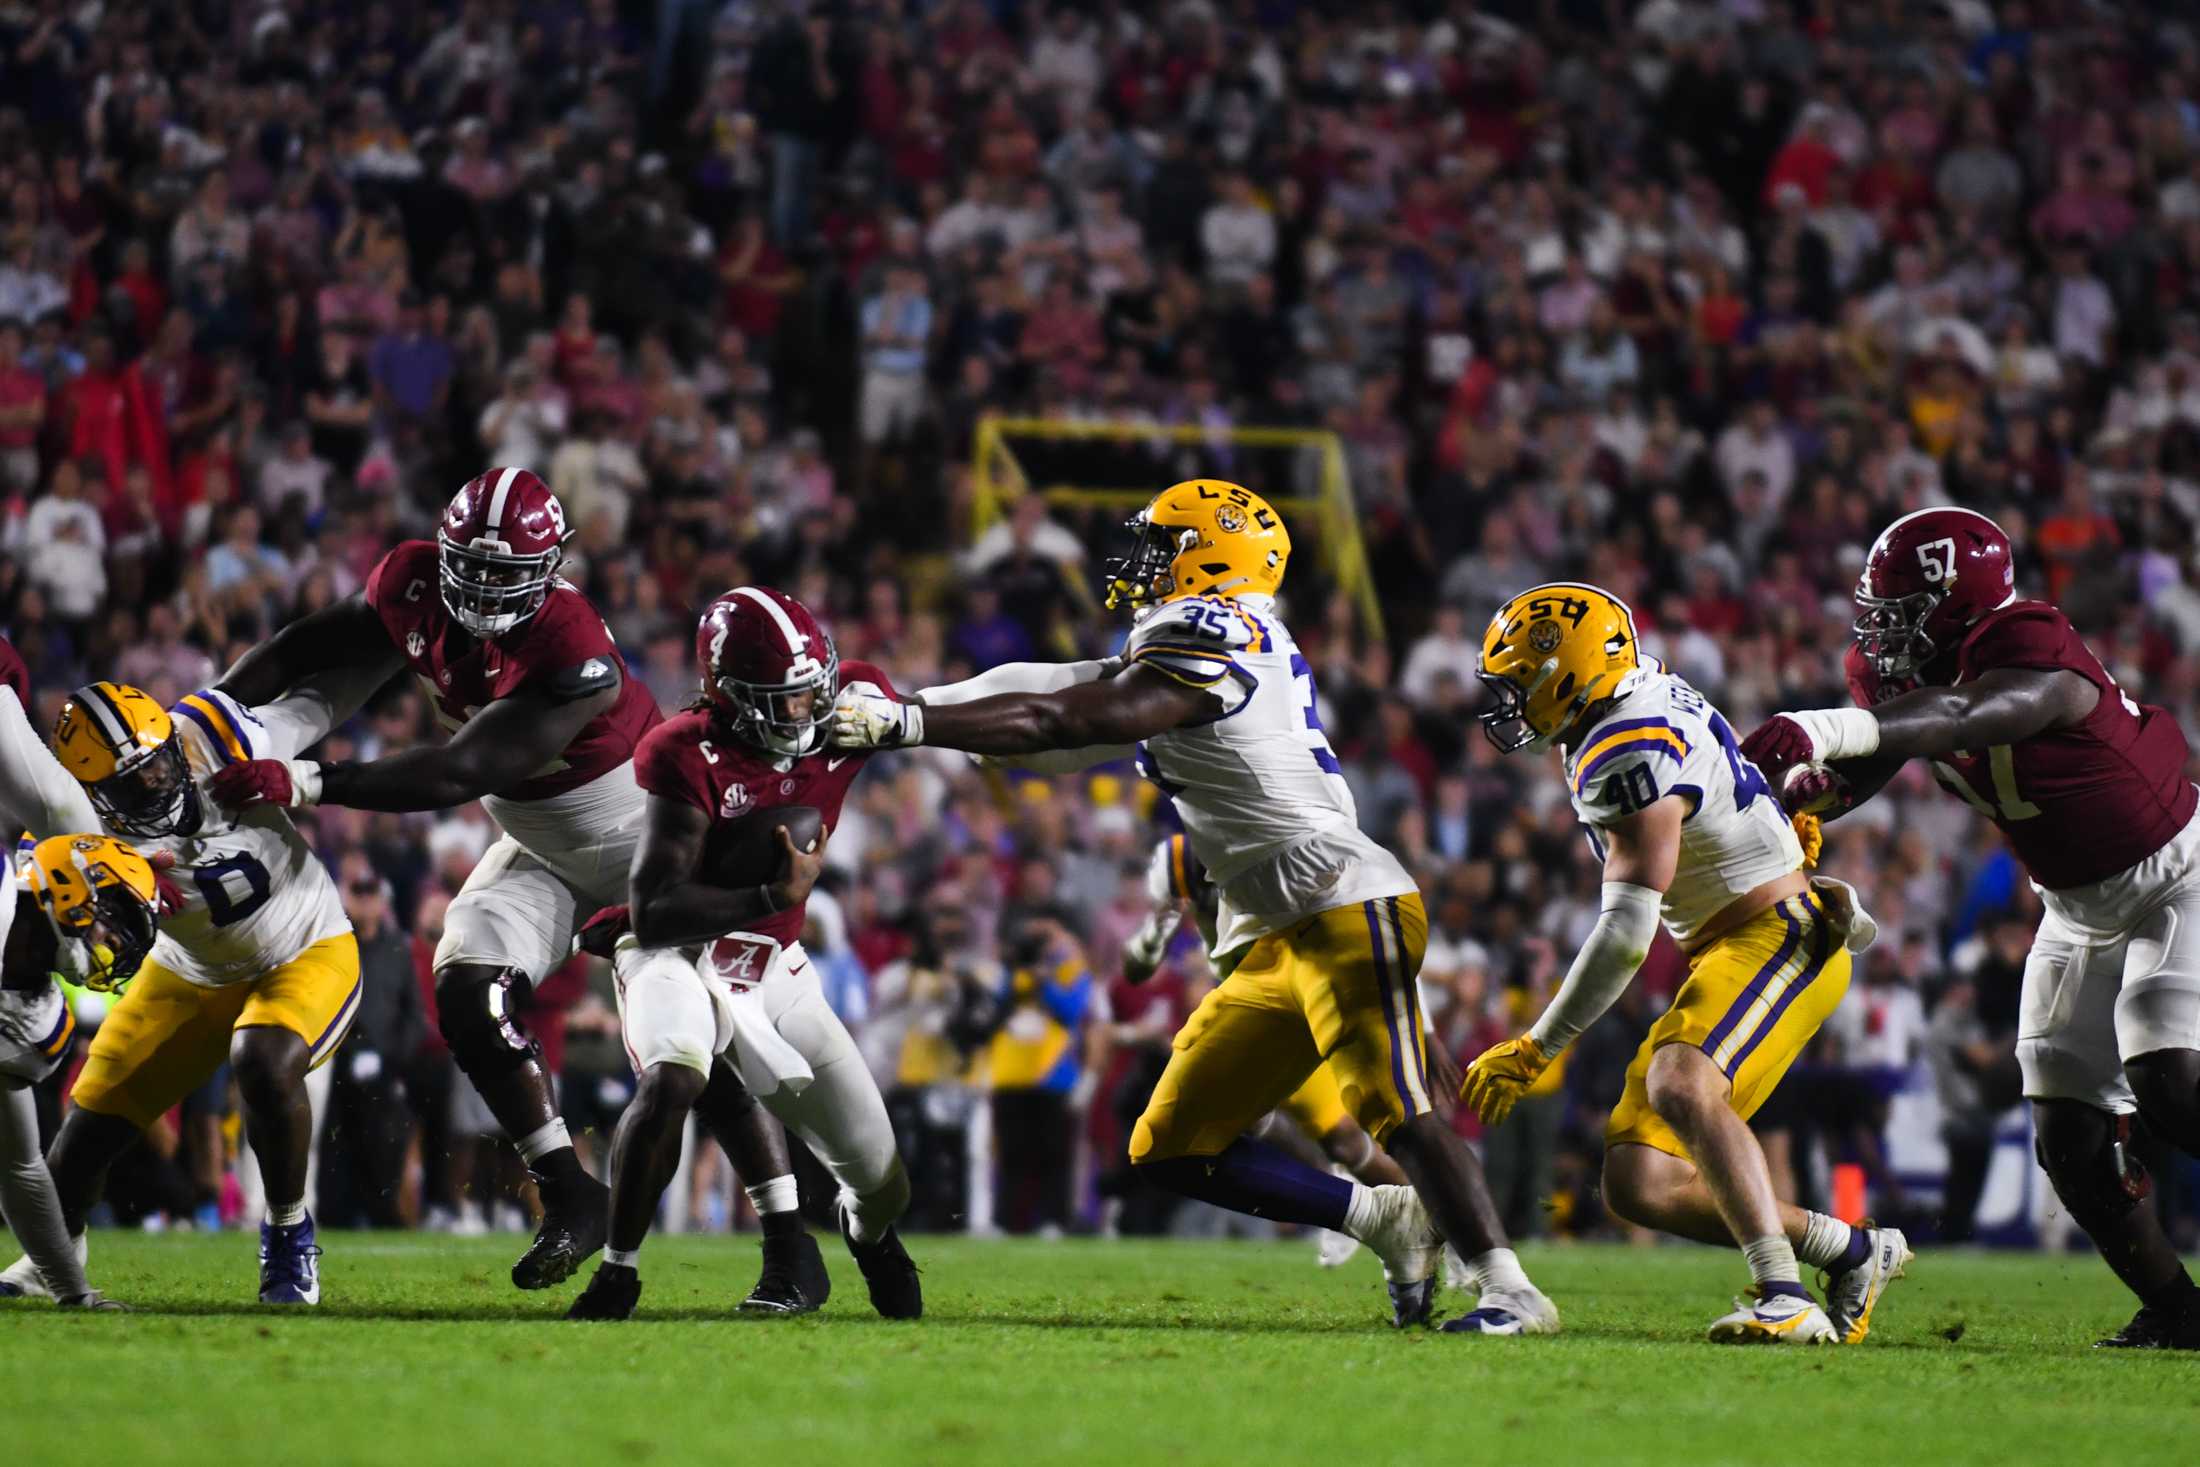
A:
<point x="169" y="894"/>
<point x="802" y="870"/>
<point x="600" y="933"/>
<point x="285" y="782"/>
<point x="865" y="718"/>
<point x="1500" y="1075"/>
<point x="1778" y="745"/>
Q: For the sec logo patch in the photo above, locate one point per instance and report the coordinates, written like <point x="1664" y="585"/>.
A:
<point x="736" y="800"/>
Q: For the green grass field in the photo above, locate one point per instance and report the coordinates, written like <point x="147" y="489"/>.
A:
<point x="1069" y="1352"/>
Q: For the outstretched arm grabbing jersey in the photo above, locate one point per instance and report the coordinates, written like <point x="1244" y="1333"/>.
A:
<point x="1867" y="744"/>
<point x="1035" y="677"/>
<point x="504" y="743"/>
<point x="1117" y="712"/>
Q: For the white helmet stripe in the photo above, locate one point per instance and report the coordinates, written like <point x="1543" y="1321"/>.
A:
<point x="496" y="497"/>
<point x="798" y="645"/>
<point x="107" y="714"/>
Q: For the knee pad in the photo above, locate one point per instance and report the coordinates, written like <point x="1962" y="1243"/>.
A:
<point x="2084" y="1153"/>
<point x="478" y="1011"/>
<point x="871" y="1213"/>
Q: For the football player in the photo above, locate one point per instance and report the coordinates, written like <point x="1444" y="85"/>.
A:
<point x="1220" y="705"/>
<point x="2022" y="723"/>
<point x="710" y="971"/>
<point x="256" y="965"/>
<point x="85" y="905"/>
<point x="1178" y="885"/>
<point x="543" y="723"/>
<point x="1689" y="832"/>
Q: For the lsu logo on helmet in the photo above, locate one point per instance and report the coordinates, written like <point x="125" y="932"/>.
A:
<point x="1203" y="537"/>
<point x="1549" y="653"/>
<point x="100" y="892"/>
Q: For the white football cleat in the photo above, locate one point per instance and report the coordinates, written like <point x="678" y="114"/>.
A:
<point x="1783" y="1319"/>
<point x="22" y="1280"/>
<point x="1335" y="1250"/>
<point x="1508" y="1312"/>
<point x="1404" y="1238"/>
<point x="1851" y="1296"/>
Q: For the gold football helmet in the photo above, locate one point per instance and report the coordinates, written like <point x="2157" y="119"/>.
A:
<point x="98" y="891"/>
<point x="1202" y="537"/>
<point x="1551" y="652"/>
<point x="122" y="747"/>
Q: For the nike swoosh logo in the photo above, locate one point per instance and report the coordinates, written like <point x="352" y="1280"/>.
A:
<point x="833" y="764"/>
<point x="794" y="968"/>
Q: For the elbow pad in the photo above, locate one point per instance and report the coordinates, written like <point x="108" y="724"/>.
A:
<point x="1602" y="969"/>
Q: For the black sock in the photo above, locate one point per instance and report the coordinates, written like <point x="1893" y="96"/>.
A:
<point x="559" y="1173"/>
<point x="2179" y="1296"/>
<point x="784" y="1224"/>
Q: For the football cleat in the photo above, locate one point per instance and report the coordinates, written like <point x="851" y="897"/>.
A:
<point x="572" y="1232"/>
<point x="1402" y="1236"/>
<point x="611" y="1294"/>
<point x="22" y="1280"/>
<point x="1851" y="1295"/>
<point x="1335" y="1250"/>
<point x="1782" y="1319"/>
<point x="290" y="1264"/>
<point x="2156" y="1329"/>
<point x="1506" y="1312"/>
<point x="889" y="1272"/>
<point x="794" y="1280"/>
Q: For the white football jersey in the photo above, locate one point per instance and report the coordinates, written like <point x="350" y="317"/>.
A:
<point x="255" y="895"/>
<point x="1258" y="788"/>
<point x="1663" y="738"/>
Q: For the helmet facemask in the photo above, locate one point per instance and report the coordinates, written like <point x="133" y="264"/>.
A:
<point x="488" y="590"/>
<point x="1890" y="631"/>
<point x="770" y="716"/>
<point x="151" y="796"/>
<point x="1142" y="576"/>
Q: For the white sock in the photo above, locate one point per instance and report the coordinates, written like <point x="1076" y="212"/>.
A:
<point x="623" y="1257"/>
<point x="544" y="1139"/>
<point x="1825" y="1241"/>
<point x="777" y="1195"/>
<point x="287" y="1215"/>
<point x="1772" y="1261"/>
<point x="1498" y="1271"/>
<point x="1360" y="1213"/>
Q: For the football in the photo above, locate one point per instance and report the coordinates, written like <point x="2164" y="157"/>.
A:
<point x="745" y="851"/>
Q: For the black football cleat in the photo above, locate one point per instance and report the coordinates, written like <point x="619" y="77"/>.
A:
<point x="2157" y="1329"/>
<point x="890" y="1273"/>
<point x="611" y="1294"/>
<point x="573" y="1231"/>
<point x="794" y="1280"/>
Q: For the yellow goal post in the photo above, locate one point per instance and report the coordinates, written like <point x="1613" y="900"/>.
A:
<point x="1076" y="464"/>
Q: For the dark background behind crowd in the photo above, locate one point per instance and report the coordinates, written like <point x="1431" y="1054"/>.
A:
<point x="1687" y="299"/>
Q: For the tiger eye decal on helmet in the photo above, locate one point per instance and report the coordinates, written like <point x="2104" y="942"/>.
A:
<point x="1549" y="654"/>
<point x="1203" y="537"/>
<point x="122" y="748"/>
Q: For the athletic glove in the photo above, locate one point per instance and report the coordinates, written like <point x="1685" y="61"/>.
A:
<point x="1500" y="1075"/>
<point x="170" y="895"/>
<point x="1778" y="745"/>
<point x="600" y="932"/>
<point x="864" y="718"/>
<point x="289" y="782"/>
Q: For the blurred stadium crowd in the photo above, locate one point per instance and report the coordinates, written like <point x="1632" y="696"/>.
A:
<point x="1686" y="299"/>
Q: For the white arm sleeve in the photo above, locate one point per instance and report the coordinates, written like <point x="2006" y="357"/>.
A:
<point x="36" y="793"/>
<point x="27" y="1196"/>
<point x="303" y="716"/>
<point x="1035" y="677"/>
<point x="1615" y="949"/>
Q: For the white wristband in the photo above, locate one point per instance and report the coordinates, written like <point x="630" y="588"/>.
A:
<point x="305" y="782"/>
<point x="1839" y="733"/>
<point x="912" y="725"/>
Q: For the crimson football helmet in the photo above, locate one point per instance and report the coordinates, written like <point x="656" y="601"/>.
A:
<point x="1929" y="578"/>
<point x="500" y="544"/>
<point x="761" y="652"/>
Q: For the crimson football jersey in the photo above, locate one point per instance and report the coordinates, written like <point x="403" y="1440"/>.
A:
<point x="565" y="641"/>
<point x="2078" y="805"/>
<point x="691" y="758"/>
